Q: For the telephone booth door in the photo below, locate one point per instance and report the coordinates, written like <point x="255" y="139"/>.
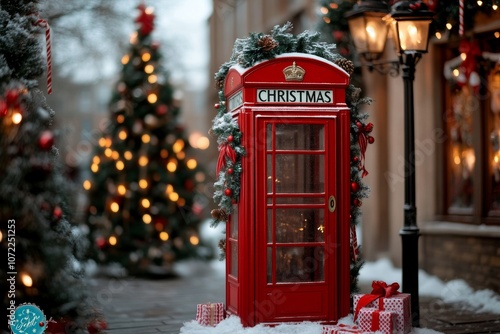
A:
<point x="297" y="225"/>
<point x="287" y="241"/>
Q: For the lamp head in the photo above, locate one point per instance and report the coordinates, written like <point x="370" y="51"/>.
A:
<point x="367" y="28"/>
<point x="410" y="22"/>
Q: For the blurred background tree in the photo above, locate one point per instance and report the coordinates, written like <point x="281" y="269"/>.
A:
<point x="44" y="250"/>
<point x="143" y="212"/>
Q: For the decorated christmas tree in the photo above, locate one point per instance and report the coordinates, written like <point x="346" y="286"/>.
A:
<point x="42" y="248"/>
<point x="248" y="52"/>
<point x="143" y="212"/>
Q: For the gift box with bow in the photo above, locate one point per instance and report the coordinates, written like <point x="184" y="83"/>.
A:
<point x="372" y="319"/>
<point x="387" y="298"/>
<point x="343" y="329"/>
<point x="210" y="314"/>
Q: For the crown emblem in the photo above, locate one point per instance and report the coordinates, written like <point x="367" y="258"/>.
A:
<point x="294" y="73"/>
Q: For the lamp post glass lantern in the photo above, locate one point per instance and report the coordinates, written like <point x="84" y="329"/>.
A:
<point x="368" y="30"/>
<point x="409" y="22"/>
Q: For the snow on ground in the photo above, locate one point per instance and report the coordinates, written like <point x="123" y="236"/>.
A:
<point x="232" y="325"/>
<point x="455" y="290"/>
<point x="452" y="291"/>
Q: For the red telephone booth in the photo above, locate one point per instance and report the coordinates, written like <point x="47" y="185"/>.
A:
<point x="287" y="240"/>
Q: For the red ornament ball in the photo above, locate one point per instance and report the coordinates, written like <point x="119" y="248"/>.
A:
<point x="369" y="127"/>
<point x="161" y="110"/>
<point x="216" y="106"/>
<point x="432" y="4"/>
<point x="57" y="213"/>
<point x="371" y="140"/>
<point x="354" y="186"/>
<point x="11" y="97"/>
<point x="230" y="138"/>
<point x="189" y="185"/>
<point x="338" y="35"/>
<point x="100" y="242"/>
<point x="357" y="202"/>
<point x="230" y="171"/>
<point x="228" y="192"/>
<point x="41" y="324"/>
<point x="359" y="125"/>
<point x="3" y="108"/>
<point x="355" y="159"/>
<point x="46" y="140"/>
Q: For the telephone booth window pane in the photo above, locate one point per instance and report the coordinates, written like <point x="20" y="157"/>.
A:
<point x="299" y="173"/>
<point x="234" y="259"/>
<point x="269" y="265"/>
<point x="234" y="223"/>
<point x="299" y="264"/>
<point x="300" y="200"/>
<point x="269" y="137"/>
<point x="269" y="173"/>
<point x="269" y="225"/>
<point x="299" y="225"/>
<point x="300" y="136"/>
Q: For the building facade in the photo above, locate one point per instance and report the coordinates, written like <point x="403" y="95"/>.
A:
<point x="457" y="130"/>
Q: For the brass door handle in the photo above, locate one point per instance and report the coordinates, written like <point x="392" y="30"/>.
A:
<point x="332" y="203"/>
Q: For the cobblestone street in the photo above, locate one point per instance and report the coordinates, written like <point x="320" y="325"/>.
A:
<point x="133" y="305"/>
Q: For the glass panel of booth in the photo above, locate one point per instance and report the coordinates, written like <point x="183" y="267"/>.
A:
<point x="233" y="243"/>
<point x="295" y="188"/>
<point x="300" y="136"/>
<point x="234" y="223"/>
<point x="300" y="264"/>
<point x="299" y="225"/>
<point x="299" y="173"/>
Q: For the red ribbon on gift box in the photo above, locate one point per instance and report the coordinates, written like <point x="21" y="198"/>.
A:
<point x="380" y="289"/>
<point x="375" y="320"/>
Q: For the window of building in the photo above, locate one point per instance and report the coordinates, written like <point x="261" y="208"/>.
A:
<point x="471" y="118"/>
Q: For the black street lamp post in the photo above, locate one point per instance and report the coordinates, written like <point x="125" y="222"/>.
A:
<point x="409" y="22"/>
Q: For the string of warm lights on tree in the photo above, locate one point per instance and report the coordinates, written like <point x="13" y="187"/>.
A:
<point x="143" y="209"/>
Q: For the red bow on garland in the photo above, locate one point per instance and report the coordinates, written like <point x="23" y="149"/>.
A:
<point x="225" y="151"/>
<point x="380" y="289"/>
<point x="145" y="20"/>
<point x="469" y="65"/>
<point x="363" y="140"/>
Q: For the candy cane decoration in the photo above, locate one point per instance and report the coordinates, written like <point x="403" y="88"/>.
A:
<point x="354" y="244"/>
<point x="461" y="17"/>
<point x="44" y="24"/>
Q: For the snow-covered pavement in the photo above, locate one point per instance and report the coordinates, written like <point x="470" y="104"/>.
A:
<point x="455" y="291"/>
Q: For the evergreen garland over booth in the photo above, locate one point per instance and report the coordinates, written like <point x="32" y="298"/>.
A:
<point x="260" y="47"/>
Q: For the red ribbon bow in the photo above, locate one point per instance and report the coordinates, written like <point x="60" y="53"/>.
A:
<point x="380" y="289"/>
<point x="225" y="150"/>
<point x="145" y="20"/>
<point x="472" y="50"/>
<point x="363" y="143"/>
